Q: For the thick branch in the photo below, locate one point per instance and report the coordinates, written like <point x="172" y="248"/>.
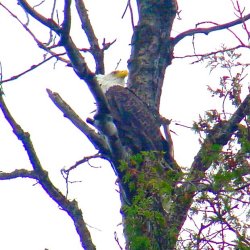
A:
<point x="98" y="141"/>
<point x="206" y="31"/>
<point x="67" y="17"/>
<point x="95" y="50"/>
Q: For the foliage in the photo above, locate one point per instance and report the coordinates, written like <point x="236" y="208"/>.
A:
<point x="222" y="205"/>
<point x="150" y="185"/>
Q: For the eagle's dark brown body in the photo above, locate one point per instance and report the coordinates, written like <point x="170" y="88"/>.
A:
<point x="138" y="127"/>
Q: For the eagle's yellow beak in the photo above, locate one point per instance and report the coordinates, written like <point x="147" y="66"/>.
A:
<point x="120" y="73"/>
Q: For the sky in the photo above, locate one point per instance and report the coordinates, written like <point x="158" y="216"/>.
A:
<point x="29" y="218"/>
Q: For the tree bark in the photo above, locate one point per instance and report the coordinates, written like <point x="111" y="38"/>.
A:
<point x="152" y="50"/>
<point x="147" y="176"/>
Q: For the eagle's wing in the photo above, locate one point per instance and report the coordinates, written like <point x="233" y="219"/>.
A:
<point x="138" y="128"/>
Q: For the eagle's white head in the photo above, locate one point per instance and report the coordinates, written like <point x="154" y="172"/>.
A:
<point x="116" y="77"/>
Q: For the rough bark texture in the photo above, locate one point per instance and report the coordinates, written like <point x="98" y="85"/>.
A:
<point x="151" y="51"/>
<point x="148" y="177"/>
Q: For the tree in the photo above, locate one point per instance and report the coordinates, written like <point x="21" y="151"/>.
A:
<point x="158" y="196"/>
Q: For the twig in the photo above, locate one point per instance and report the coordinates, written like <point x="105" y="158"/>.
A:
<point x="238" y="10"/>
<point x="85" y="159"/>
<point x="211" y="53"/>
<point x="39" y="43"/>
<point x="117" y="240"/>
<point x="38" y="4"/>
<point x="182" y="125"/>
<point x="34" y="66"/>
<point x="50" y="23"/>
<point x="118" y="63"/>
<point x="128" y="6"/>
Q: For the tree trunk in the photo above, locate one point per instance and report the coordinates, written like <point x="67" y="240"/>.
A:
<point x="149" y="181"/>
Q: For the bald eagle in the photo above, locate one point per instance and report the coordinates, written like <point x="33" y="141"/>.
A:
<point x="138" y="127"/>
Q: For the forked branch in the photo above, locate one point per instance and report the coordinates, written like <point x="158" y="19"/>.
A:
<point x="95" y="49"/>
<point x="70" y="207"/>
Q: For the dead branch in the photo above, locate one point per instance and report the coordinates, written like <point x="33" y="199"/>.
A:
<point x="230" y="30"/>
<point x="19" y="173"/>
<point x="84" y="160"/>
<point x="77" y="60"/>
<point x="206" y="31"/>
<point x="66" y="25"/>
<point x="48" y="22"/>
<point x="98" y="141"/>
<point x="128" y="6"/>
<point x="95" y="50"/>
<point x="66" y="172"/>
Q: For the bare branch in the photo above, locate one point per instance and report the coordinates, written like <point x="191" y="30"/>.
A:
<point x="66" y="172"/>
<point x="211" y="53"/>
<point x="24" y="137"/>
<point x="19" y="173"/>
<point x="84" y="160"/>
<point x="206" y="31"/>
<point x="76" y="59"/>
<point x="95" y="50"/>
<point x="230" y="30"/>
<point x="50" y="23"/>
<point x="240" y="15"/>
<point x="128" y="6"/>
<point x="39" y="43"/>
<point x="97" y="140"/>
<point x="67" y="17"/>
